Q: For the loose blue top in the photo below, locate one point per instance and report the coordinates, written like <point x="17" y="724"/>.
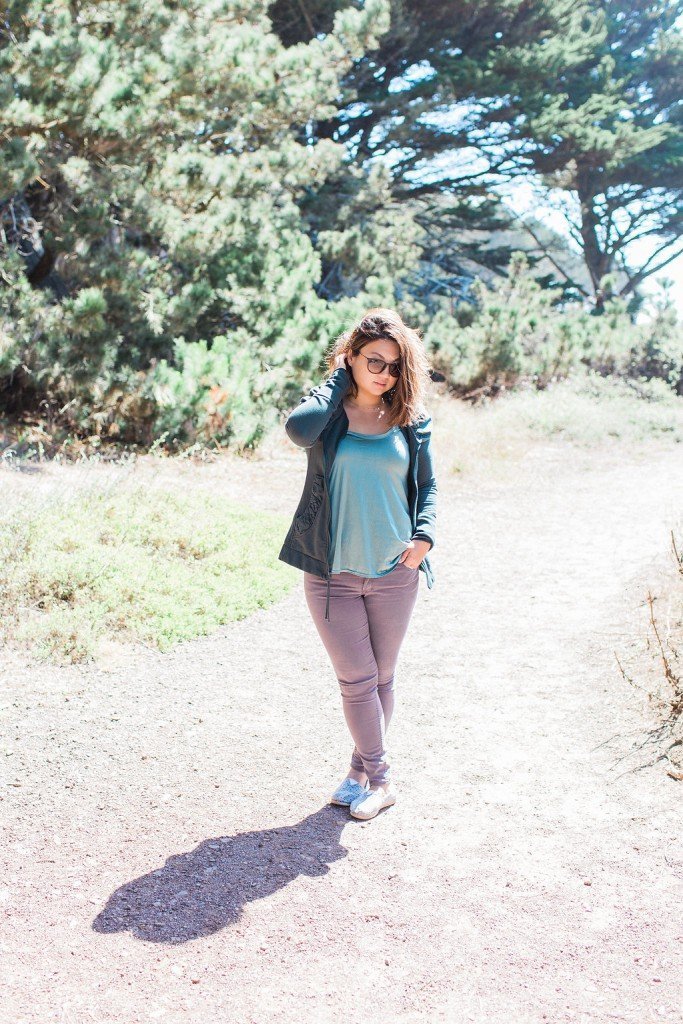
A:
<point x="370" y="519"/>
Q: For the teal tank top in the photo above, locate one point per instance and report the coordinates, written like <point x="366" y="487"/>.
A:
<point x="369" y="516"/>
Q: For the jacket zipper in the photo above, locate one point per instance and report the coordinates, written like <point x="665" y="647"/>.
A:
<point x="329" y="525"/>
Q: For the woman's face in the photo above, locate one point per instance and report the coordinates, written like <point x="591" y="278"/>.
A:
<point x="374" y="383"/>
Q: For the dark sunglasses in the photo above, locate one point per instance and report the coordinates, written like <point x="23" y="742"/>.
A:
<point x="378" y="365"/>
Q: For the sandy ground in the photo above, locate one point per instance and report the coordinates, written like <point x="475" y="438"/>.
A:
<point x="169" y="853"/>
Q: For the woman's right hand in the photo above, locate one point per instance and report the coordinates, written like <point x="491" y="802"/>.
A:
<point x="340" y="360"/>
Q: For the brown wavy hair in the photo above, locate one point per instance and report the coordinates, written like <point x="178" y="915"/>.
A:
<point x="406" y="398"/>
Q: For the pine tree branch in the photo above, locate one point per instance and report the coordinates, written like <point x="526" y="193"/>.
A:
<point x="548" y="255"/>
<point x="307" y="19"/>
<point x="20" y="131"/>
<point x="644" y="272"/>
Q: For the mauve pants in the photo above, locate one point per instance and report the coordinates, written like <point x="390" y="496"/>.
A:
<point x="368" y="620"/>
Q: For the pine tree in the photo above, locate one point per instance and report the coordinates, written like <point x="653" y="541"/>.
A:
<point x="583" y="95"/>
<point x="589" y="100"/>
<point x="151" y="159"/>
<point x="389" y="113"/>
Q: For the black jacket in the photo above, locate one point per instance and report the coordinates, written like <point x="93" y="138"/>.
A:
<point x="318" y="424"/>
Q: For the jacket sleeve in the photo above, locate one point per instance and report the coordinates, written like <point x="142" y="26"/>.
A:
<point x="306" y="422"/>
<point x="426" y="487"/>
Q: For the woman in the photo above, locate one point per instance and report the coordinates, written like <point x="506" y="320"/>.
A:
<point x="363" y="527"/>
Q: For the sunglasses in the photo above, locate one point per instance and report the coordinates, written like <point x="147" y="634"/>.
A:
<point x="378" y="365"/>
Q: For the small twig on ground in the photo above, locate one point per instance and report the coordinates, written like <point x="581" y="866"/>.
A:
<point x="679" y="558"/>
<point x="670" y="675"/>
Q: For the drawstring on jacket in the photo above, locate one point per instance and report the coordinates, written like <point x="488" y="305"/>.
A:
<point x="327" y="606"/>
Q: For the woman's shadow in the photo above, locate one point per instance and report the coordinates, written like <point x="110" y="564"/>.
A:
<point x="200" y="892"/>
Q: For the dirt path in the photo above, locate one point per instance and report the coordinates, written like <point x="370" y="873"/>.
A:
<point x="170" y="854"/>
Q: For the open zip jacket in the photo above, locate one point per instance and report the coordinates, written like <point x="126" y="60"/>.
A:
<point x="318" y="424"/>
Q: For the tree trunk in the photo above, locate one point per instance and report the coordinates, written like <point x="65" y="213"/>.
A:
<point x="597" y="261"/>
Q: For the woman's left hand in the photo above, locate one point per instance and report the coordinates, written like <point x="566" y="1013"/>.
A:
<point x="414" y="553"/>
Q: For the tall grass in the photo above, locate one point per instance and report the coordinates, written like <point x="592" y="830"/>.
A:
<point x="586" y="410"/>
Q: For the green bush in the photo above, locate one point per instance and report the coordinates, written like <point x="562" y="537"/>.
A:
<point x="521" y="331"/>
<point x="152" y="163"/>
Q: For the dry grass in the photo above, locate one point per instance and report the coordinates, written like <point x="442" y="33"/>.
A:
<point x="586" y="411"/>
<point x="654" y="667"/>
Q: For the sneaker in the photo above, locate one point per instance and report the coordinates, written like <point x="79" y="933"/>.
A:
<point x="370" y="803"/>
<point x="349" y="791"/>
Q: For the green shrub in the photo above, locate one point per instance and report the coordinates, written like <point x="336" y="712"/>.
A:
<point x="521" y="331"/>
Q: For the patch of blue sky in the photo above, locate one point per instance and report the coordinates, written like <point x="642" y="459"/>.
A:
<point x="418" y="72"/>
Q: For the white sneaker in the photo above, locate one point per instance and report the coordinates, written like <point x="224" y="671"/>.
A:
<point x="371" y="803"/>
